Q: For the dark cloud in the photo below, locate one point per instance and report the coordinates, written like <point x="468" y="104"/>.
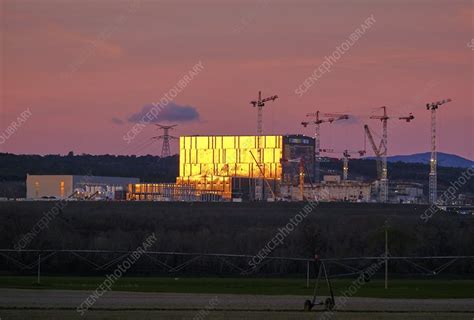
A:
<point x="171" y="112"/>
<point x="351" y="120"/>
<point x="117" y="120"/>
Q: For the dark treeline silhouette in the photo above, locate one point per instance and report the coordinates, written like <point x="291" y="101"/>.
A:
<point x="148" y="168"/>
<point x="13" y="170"/>
<point x="331" y="230"/>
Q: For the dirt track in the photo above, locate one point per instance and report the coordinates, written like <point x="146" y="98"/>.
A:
<point x="61" y="304"/>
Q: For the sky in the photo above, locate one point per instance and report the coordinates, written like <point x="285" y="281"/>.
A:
<point x="87" y="71"/>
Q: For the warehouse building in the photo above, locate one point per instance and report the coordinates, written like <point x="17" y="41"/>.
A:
<point x="77" y="187"/>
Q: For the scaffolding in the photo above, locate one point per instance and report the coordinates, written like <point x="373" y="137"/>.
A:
<point x="170" y="192"/>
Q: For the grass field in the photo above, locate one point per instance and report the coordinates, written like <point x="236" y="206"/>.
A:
<point x="222" y="315"/>
<point x="398" y="288"/>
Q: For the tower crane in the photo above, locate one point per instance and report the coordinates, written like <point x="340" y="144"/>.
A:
<point x="378" y="151"/>
<point x="384" y="143"/>
<point x="259" y="104"/>
<point x="433" y="180"/>
<point x="346" y="154"/>
<point x="165" y="149"/>
<point x="320" y="118"/>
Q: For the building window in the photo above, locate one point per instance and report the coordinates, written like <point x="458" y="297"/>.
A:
<point x="37" y="189"/>
<point x="61" y="189"/>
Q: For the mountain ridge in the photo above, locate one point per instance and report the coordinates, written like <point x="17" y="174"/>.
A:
<point x="444" y="159"/>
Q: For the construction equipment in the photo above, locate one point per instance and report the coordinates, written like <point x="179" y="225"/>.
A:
<point x="329" y="303"/>
<point x="259" y="104"/>
<point x="92" y="196"/>
<point x="301" y="179"/>
<point x="383" y="195"/>
<point x="346" y="154"/>
<point x="320" y="118"/>
<point x="261" y="172"/>
<point x="301" y="174"/>
<point x="378" y="151"/>
<point x="433" y="180"/>
<point x="165" y="150"/>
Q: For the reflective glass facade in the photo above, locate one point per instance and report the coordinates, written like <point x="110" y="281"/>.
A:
<point x="230" y="156"/>
<point x="210" y="162"/>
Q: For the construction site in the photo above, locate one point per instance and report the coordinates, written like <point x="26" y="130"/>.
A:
<point x="261" y="167"/>
<point x="285" y="167"/>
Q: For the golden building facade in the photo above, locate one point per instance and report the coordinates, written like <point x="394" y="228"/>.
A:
<point x="210" y="162"/>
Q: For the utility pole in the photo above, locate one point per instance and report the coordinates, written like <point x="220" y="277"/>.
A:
<point x="433" y="180"/>
<point x="166" y="137"/>
<point x="259" y="104"/>
<point x="318" y="119"/>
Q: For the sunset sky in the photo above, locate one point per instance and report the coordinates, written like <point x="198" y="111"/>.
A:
<point x="88" y="69"/>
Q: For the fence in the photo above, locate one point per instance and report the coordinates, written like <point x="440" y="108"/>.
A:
<point x="69" y="262"/>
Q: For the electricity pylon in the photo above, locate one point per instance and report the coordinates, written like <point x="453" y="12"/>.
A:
<point x="166" y="137"/>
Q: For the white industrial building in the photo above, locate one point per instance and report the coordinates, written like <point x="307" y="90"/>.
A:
<point x="406" y="192"/>
<point x="77" y="187"/>
<point x="330" y="189"/>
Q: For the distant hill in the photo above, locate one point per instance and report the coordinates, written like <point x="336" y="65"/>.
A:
<point x="444" y="159"/>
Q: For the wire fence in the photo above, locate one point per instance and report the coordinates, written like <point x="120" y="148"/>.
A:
<point x="157" y="263"/>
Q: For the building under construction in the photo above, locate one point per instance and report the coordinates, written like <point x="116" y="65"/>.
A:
<point x="236" y="167"/>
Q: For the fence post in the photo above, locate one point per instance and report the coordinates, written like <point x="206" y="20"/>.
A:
<point x="307" y="274"/>
<point x="39" y="268"/>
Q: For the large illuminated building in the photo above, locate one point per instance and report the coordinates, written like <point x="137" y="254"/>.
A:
<point x="213" y="168"/>
<point x="244" y="166"/>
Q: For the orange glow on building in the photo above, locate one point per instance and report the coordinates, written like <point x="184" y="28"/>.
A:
<point x="225" y="167"/>
<point x="210" y="162"/>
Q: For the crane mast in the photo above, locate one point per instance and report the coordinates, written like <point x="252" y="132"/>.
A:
<point x="320" y="118"/>
<point x="384" y="142"/>
<point x="433" y="178"/>
<point x="383" y="191"/>
<point x="346" y="155"/>
<point x="259" y="104"/>
<point x="377" y="151"/>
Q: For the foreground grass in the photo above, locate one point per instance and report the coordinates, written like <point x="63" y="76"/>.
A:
<point x="398" y="288"/>
<point x="223" y="315"/>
